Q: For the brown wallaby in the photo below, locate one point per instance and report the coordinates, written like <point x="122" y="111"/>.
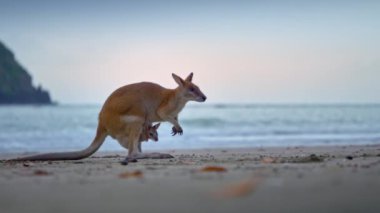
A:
<point x="127" y="110"/>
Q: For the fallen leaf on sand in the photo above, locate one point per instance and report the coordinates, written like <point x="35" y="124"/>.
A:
<point x="134" y="174"/>
<point x="213" y="169"/>
<point x="240" y="189"/>
<point x="40" y="172"/>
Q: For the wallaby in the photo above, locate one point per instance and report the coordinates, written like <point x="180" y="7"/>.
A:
<point x="128" y="108"/>
<point x="149" y="132"/>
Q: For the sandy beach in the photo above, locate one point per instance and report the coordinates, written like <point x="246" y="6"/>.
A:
<point x="294" y="179"/>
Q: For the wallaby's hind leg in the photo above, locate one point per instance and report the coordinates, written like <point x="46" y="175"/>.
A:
<point x="124" y="143"/>
<point x="133" y="133"/>
<point x="139" y="147"/>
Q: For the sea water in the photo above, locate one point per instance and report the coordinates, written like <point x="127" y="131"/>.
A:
<point x="72" y="127"/>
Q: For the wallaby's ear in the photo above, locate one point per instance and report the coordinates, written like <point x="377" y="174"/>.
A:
<point x="179" y="80"/>
<point x="156" y="126"/>
<point x="189" y="78"/>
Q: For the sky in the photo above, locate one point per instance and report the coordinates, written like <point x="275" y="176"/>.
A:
<point x="239" y="51"/>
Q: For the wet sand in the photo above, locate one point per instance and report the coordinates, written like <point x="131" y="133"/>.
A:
<point x="296" y="179"/>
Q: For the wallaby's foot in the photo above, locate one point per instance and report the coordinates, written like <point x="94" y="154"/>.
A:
<point x="124" y="162"/>
<point x="133" y="160"/>
<point x="128" y="160"/>
<point x="154" y="155"/>
<point x="178" y="130"/>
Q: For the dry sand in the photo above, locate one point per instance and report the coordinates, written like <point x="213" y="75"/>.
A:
<point x="298" y="179"/>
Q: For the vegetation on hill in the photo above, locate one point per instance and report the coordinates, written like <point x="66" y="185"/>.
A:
<point x="16" y="83"/>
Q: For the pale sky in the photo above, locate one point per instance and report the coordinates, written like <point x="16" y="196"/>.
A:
<point x="240" y="51"/>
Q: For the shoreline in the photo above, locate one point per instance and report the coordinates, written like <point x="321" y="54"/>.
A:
<point x="4" y="155"/>
<point x="266" y="179"/>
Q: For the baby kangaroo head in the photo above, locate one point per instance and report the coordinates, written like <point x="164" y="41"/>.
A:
<point x="152" y="131"/>
<point x="188" y="90"/>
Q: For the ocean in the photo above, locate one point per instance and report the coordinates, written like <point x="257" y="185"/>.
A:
<point x="72" y="127"/>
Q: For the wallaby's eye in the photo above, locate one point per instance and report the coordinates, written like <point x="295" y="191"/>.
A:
<point x="191" y="89"/>
<point x="150" y="134"/>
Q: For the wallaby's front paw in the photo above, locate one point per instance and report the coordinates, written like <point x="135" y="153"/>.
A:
<point x="175" y="131"/>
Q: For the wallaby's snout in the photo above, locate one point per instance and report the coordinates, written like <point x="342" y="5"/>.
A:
<point x="201" y="98"/>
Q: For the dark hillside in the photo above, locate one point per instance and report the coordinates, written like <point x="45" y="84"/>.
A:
<point x="16" y="83"/>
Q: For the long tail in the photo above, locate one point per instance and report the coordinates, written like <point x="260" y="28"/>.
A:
<point x="101" y="135"/>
